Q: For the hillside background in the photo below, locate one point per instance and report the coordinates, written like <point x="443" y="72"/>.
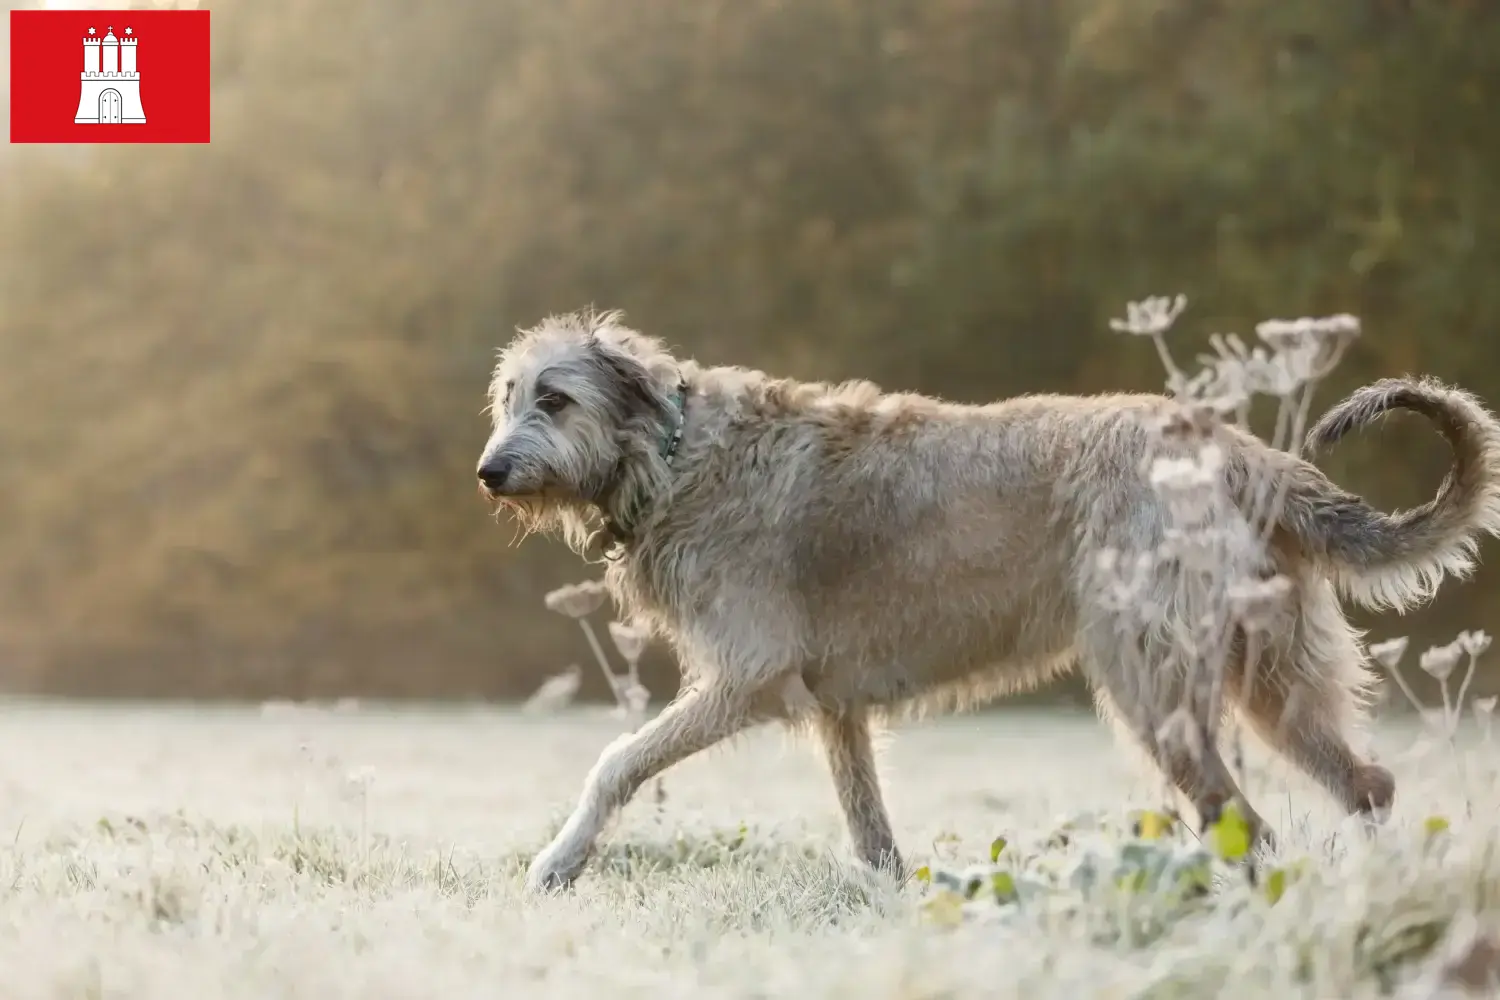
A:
<point x="240" y="384"/>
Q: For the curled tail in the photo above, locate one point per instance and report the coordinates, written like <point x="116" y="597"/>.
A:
<point x="1397" y="560"/>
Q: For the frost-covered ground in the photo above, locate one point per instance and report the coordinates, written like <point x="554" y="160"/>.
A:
<point x="202" y="854"/>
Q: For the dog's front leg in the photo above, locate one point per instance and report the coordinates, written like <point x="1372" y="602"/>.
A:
<point x="696" y="720"/>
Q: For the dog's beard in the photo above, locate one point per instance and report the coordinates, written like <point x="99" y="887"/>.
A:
<point x="539" y="514"/>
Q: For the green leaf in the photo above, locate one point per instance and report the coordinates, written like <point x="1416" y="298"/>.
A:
<point x="923" y="874"/>
<point x="1230" y="834"/>
<point x="1275" y="885"/>
<point x="996" y="846"/>
<point x="1004" y="886"/>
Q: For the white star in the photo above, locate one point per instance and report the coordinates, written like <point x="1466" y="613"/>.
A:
<point x="93" y="32"/>
<point x="127" y="31"/>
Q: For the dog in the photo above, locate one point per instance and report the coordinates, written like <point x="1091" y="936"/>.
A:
<point x="826" y="554"/>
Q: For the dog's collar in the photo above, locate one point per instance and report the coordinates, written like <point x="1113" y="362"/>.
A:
<point x="620" y="535"/>
<point x="669" y="446"/>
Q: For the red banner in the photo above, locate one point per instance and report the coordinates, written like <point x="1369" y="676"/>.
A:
<point x="109" y="76"/>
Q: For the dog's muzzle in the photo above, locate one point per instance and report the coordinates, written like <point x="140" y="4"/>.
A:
<point x="493" y="474"/>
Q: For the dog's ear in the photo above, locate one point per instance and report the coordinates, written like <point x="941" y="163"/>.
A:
<point x="636" y="388"/>
<point x="647" y="351"/>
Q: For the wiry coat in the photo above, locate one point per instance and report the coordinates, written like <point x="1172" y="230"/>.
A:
<point x="821" y="552"/>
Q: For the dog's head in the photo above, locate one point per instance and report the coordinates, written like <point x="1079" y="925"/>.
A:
<point x="576" y="400"/>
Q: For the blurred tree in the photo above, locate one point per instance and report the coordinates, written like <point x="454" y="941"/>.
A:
<point x="243" y="381"/>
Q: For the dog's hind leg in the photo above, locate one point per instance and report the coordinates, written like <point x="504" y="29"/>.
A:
<point x="1170" y="720"/>
<point x="1304" y="701"/>
<point x="699" y="718"/>
<point x="851" y="760"/>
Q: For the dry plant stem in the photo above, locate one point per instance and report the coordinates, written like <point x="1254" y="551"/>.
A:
<point x="1174" y="374"/>
<point x="1252" y="666"/>
<point x="1290" y="417"/>
<point x="609" y="675"/>
<point x="1299" y="426"/>
<point x="1212" y="663"/>
<point x="1411" y="695"/>
<point x="1463" y="689"/>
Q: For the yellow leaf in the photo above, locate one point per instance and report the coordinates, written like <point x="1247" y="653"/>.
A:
<point x="996" y="846"/>
<point x="923" y="874"/>
<point x="1435" y="825"/>
<point x="1230" y="834"/>
<point x="1152" y="825"/>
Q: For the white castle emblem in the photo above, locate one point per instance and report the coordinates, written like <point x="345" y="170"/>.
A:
<point x="111" y="91"/>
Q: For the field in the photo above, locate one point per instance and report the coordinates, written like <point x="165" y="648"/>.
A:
<point x="288" y="852"/>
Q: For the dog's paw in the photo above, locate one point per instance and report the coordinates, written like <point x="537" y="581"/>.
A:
<point x="547" y="883"/>
<point x="551" y="872"/>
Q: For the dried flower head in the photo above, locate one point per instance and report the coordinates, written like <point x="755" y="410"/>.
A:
<point x="1223" y="386"/>
<point x="1388" y="653"/>
<point x="1179" y="475"/>
<point x="577" y="600"/>
<point x="1151" y="316"/>
<point x="629" y="640"/>
<point x="1439" y="661"/>
<point x="1188" y="420"/>
<point x="1122" y="583"/>
<point x="1260" y="605"/>
<point x="556" y="692"/>
<point x="1190" y="485"/>
<point x="1484" y="708"/>
<point x="1308" y="348"/>
<point x="1474" y="643"/>
<point x="1281" y="333"/>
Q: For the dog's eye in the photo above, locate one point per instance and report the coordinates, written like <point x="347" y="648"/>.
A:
<point x="552" y="402"/>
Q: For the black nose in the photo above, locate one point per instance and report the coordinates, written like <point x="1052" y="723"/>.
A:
<point x="494" y="472"/>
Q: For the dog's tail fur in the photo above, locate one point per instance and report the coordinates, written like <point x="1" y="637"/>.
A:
<point x="1397" y="560"/>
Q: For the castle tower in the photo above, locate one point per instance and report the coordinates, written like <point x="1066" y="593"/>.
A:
<point x="127" y="53"/>
<point x="91" y="53"/>
<point x="111" y="52"/>
<point x="110" y="91"/>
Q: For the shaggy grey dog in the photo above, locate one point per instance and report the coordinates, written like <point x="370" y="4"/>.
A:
<point x="820" y="554"/>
